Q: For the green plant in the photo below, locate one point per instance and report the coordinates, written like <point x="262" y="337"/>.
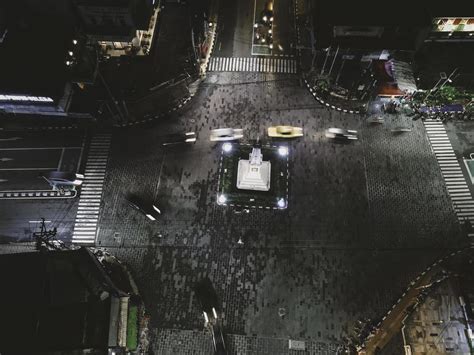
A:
<point x="132" y="328"/>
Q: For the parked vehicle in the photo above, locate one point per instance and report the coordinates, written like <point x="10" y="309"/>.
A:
<point x="63" y="180"/>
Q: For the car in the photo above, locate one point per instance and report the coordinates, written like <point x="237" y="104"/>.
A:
<point x="148" y="209"/>
<point x="178" y="138"/>
<point x="285" y="132"/>
<point x="208" y="300"/>
<point x="266" y="15"/>
<point x="226" y="134"/>
<point x="400" y="130"/>
<point x="63" y="178"/>
<point x="341" y="134"/>
<point x="376" y="120"/>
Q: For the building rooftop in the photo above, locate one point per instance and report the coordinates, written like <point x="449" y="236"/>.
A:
<point x="33" y="52"/>
<point x="60" y="300"/>
<point x="371" y="12"/>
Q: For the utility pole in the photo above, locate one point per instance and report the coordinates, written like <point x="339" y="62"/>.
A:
<point x="44" y="238"/>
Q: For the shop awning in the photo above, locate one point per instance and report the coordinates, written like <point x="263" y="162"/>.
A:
<point x="402" y="73"/>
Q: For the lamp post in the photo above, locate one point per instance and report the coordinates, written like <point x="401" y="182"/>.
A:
<point x="442" y="76"/>
<point x="449" y="80"/>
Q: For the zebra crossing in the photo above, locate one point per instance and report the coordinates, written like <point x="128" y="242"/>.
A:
<point x="251" y="64"/>
<point x="458" y="190"/>
<point x="85" y="226"/>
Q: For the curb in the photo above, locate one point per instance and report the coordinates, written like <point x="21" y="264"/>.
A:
<point x="36" y="194"/>
<point x="313" y="92"/>
<point x="410" y="285"/>
<point x="152" y="118"/>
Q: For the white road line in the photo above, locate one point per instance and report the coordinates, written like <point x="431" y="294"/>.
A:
<point x="85" y="227"/>
<point x="245" y="64"/>
<point x="36" y="148"/>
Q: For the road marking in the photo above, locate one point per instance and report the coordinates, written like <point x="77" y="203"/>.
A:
<point x="87" y="217"/>
<point x="19" y="169"/>
<point x="451" y="170"/>
<point x="44" y="148"/>
<point x="262" y="65"/>
<point x="61" y="159"/>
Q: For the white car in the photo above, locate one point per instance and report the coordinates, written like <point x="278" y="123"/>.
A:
<point x="341" y="134"/>
<point x="226" y="134"/>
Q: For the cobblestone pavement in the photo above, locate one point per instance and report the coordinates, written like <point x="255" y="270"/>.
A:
<point x="363" y="220"/>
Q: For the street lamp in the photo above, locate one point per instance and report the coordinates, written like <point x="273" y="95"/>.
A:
<point x="442" y="76"/>
<point x="281" y="203"/>
<point x="221" y="199"/>
<point x="227" y="147"/>
<point x="283" y="151"/>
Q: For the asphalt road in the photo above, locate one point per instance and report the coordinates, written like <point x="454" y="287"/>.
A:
<point x="235" y="28"/>
<point x="26" y="154"/>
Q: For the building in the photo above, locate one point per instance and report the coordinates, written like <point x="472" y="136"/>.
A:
<point x="451" y="23"/>
<point x="370" y="24"/>
<point x="35" y="49"/>
<point x="447" y="47"/>
<point x="63" y="301"/>
<point x="121" y="27"/>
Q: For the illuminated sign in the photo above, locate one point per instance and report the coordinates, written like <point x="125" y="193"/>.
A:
<point x="453" y="24"/>
<point x="25" y="98"/>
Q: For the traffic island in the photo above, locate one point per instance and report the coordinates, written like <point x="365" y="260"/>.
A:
<point x="253" y="176"/>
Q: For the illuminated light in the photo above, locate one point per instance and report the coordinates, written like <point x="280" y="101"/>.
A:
<point x="70" y="53"/>
<point x="150" y="217"/>
<point x="263" y="40"/>
<point x="74" y="41"/>
<point x="271" y="19"/>
<point x="281" y="203"/>
<point x="25" y="98"/>
<point x="270" y="46"/>
<point x="211" y="24"/>
<point x="214" y="312"/>
<point x="68" y="62"/>
<point x="256" y="25"/>
<point x="227" y="147"/>
<point x="270" y="31"/>
<point x="265" y="18"/>
<point x="206" y="318"/>
<point x="283" y="151"/>
<point x="221" y="199"/>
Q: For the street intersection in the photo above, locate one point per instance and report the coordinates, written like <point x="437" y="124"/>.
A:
<point x="363" y="219"/>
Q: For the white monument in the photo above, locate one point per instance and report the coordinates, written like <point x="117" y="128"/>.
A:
<point x="254" y="174"/>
